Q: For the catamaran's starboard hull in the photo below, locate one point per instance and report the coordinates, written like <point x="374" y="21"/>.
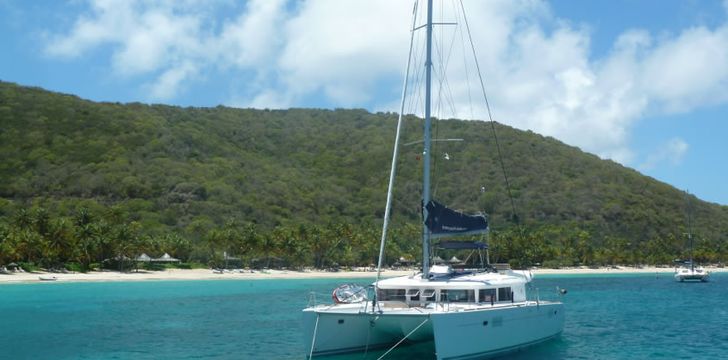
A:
<point x="473" y="333"/>
<point x="484" y="333"/>
<point x="698" y="277"/>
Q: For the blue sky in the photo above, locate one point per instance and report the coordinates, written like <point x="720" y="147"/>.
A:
<point x="644" y="83"/>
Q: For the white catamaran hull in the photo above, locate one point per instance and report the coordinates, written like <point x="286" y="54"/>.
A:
<point x="691" y="275"/>
<point x="479" y="334"/>
<point x="471" y="333"/>
<point x="350" y="329"/>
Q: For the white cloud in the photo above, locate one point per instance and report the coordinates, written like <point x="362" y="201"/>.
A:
<point x="269" y="99"/>
<point x="545" y="79"/>
<point x="538" y="68"/>
<point x="252" y="39"/>
<point x="670" y="153"/>
<point x="167" y="85"/>
<point x="171" y="40"/>
<point x="87" y="32"/>
<point x="162" y="39"/>
<point x="158" y="40"/>
<point x="689" y="70"/>
<point x="342" y="48"/>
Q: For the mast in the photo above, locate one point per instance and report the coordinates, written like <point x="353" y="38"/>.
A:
<point x="690" y="231"/>
<point x="426" y="151"/>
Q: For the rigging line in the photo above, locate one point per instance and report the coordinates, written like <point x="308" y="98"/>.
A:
<point x="449" y="93"/>
<point x="443" y="82"/>
<point x="388" y="207"/>
<point x="490" y="115"/>
<point x="434" y="146"/>
<point x="439" y="73"/>
<point x="690" y="230"/>
<point x="417" y="77"/>
<point x="465" y="66"/>
<point x="443" y="92"/>
<point x="444" y="56"/>
<point x="418" y="101"/>
<point x="444" y="96"/>
<point x="315" y="330"/>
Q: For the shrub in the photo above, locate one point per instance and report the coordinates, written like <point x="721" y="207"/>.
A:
<point x="29" y="266"/>
<point x="75" y="267"/>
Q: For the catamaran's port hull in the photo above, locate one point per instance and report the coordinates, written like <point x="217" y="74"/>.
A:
<point x="470" y="333"/>
<point x="347" y="330"/>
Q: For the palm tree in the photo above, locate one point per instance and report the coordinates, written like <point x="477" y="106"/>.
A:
<point x="60" y="240"/>
<point x="87" y="243"/>
<point x="7" y="247"/>
<point x="178" y="246"/>
<point x="22" y="219"/>
<point x="248" y="242"/>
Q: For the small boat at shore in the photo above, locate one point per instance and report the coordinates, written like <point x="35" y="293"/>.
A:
<point x="47" y="278"/>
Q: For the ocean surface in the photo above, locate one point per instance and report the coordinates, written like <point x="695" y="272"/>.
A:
<point x="607" y="317"/>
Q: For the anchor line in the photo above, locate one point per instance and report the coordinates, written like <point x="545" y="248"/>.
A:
<point x="315" y="330"/>
<point x="404" y="338"/>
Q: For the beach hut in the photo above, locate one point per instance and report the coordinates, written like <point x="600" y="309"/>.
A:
<point x="166" y="259"/>
<point x="455" y="260"/>
<point x="144" y="258"/>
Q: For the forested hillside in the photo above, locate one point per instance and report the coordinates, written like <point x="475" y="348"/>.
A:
<point x="258" y="183"/>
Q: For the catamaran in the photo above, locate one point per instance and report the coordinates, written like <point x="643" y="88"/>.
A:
<point x="691" y="272"/>
<point x="467" y="313"/>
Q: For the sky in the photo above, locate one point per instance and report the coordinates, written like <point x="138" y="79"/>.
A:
<point x="643" y="83"/>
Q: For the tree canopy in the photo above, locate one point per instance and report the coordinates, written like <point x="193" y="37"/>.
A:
<point x="311" y="180"/>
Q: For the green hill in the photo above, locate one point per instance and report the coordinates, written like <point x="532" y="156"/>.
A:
<point x="194" y="171"/>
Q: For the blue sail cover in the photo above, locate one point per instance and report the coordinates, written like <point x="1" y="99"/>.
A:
<point x="447" y="222"/>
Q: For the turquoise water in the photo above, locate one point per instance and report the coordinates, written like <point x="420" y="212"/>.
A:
<point x="608" y="317"/>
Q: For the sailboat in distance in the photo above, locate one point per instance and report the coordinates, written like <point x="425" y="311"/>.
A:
<point x="689" y="271"/>
<point x="466" y="313"/>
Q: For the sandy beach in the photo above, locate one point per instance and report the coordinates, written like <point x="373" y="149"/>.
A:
<point x="185" y="274"/>
<point x="207" y="274"/>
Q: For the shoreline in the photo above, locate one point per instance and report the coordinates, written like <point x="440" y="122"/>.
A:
<point x="208" y="274"/>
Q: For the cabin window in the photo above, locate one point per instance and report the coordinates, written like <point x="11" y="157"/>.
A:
<point x="505" y="294"/>
<point x="413" y="294"/>
<point x="428" y="294"/>
<point x="391" y="295"/>
<point x="486" y="295"/>
<point x="457" y="295"/>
